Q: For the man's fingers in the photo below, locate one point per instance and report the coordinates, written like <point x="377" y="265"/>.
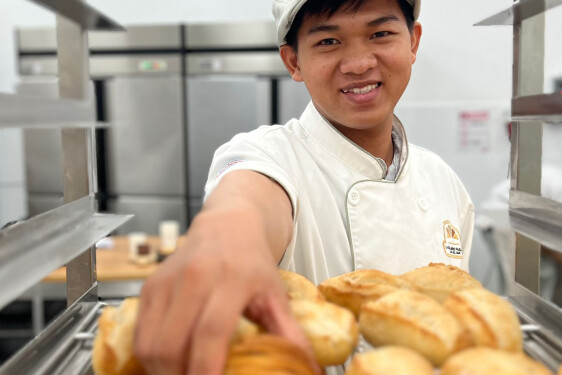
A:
<point x="152" y="309"/>
<point x="213" y="332"/>
<point x="273" y="312"/>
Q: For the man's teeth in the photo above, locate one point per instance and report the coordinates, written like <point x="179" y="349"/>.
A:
<point x="362" y="90"/>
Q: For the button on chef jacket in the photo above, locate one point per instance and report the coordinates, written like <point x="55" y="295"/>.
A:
<point x="346" y="216"/>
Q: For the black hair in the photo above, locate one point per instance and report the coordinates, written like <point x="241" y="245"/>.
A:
<point x="317" y="8"/>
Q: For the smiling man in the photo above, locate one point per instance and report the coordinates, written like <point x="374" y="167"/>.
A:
<point x="338" y="189"/>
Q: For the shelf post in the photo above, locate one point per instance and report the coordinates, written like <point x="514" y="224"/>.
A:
<point x="77" y="144"/>
<point x="526" y="140"/>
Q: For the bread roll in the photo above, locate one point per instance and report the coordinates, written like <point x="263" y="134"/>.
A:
<point x="267" y="355"/>
<point x="113" y="345"/>
<point x="331" y="329"/>
<point x="245" y="328"/>
<point x="487" y="361"/>
<point x="389" y="360"/>
<point x="298" y="286"/>
<point x="414" y="320"/>
<point x="352" y="289"/>
<point x="490" y="320"/>
<point x="438" y="280"/>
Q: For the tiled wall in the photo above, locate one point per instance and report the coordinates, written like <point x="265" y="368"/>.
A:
<point x="12" y="176"/>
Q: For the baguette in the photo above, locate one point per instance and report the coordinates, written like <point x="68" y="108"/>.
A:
<point x="298" y="286"/>
<point x="113" y="345"/>
<point x="389" y="360"/>
<point x="487" y="361"/>
<point x="331" y="330"/>
<point x="353" y="289"/>
<point x="413" y="320"/>
<point x="490" y="320"/>
<point x="439" y="280"/>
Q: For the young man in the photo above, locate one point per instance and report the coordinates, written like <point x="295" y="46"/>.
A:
<point x="337" y="190"/>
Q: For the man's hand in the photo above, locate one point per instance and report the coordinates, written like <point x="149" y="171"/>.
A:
<point x="226" y="267"/>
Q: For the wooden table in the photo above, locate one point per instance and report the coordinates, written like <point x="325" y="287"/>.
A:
<point x="113" y="264"/>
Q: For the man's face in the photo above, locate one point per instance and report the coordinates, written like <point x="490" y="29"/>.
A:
<point x="355" y="64"/>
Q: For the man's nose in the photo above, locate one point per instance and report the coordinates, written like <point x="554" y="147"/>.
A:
<point x="358" y="61"/>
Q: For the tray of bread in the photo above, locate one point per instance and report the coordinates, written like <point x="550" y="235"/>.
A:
<point x="433" y="320"/>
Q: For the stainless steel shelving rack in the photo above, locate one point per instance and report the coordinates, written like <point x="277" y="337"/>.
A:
<point x="536" y="220"/>
<point x="30" y="250"/>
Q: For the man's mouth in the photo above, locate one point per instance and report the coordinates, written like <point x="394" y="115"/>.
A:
<point x="362" y="90"/>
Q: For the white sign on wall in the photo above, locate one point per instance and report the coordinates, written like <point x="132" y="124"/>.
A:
<point x="474" y="127"/>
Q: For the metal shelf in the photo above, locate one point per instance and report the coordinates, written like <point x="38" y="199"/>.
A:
<point x="65" y="346"/>
<point x="81" y="13"/>
<point x="519" y="12"/>
<point x="28" y="111"/>
<point x="544" y="340"/>
<point x="537" y="218"/>
<point x="546" y="107"/>
<point x="32" y="249"/>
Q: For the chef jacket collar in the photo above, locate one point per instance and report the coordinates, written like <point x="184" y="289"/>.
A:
<point x="344" y="149"/>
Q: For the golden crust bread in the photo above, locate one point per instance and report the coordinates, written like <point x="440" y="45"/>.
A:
<point x="487" y="361"/>
<point x="414" y="320"/>
<point x="298" y="286"/>
<point x="439" y="280"/>
<point x="245" y="328"/>
<point x="113" y="345"/>
<point x="490" y="320"/>
<point x="331" y="330"/>
<point x="390" y="360"/>
<point x="352" y="289"/>
<point x="267" y="355"/>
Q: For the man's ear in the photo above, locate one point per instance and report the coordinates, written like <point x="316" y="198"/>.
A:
<point x="289" y="57"/>
<point x="415" y="36"/>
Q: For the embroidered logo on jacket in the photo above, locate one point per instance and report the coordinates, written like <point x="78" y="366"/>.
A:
<point x="452" y="240"/>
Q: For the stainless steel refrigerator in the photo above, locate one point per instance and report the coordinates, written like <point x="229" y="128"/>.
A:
<point x="172" y="94"/>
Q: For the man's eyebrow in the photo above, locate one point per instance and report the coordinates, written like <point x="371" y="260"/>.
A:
<point x="327" y="27"/>
<point x="383" y="20"/>
<point x="321" y="28"/>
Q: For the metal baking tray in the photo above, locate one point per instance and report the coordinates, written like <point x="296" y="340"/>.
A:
<point x="65" y="346"/>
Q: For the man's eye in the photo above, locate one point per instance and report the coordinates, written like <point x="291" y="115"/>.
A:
<point x="381" y="34"/>
<point x="327" y="42"/>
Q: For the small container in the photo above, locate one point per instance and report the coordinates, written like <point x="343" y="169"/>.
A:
<point x="136" y="239"/>
<point x="169" y="233"/>
<point x="140" y="250"/>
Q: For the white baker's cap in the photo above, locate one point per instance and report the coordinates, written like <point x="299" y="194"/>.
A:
<point x="285" y="11"/>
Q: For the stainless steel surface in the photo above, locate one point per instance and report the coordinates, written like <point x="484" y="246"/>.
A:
<point x="64" y="347"/>
<point x="78" y="145"/>
<point x="255" y="63"/>
<point x="547" y="107"/>
<point x="537" y="218"/>
<point x="135" y="37"/>
<point x="526" y="141"/>
<point x="231" y="35"/>
<point x="81" y="14"/>
<point x="43" y="161"/>
<point x="32" y="249"/>
<point x="106" y="66"/>
<point x="521" y="10"/>
<point x="293" y="99"/>
<point x="145" y="145"/>
<point x="241" y="105"/>
<point x="545" y="342"/>
<point x="149" y="211"/>
<point x="28" y="111"/>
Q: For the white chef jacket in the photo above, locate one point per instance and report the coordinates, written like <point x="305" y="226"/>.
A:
<point x="346" y="216"/>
